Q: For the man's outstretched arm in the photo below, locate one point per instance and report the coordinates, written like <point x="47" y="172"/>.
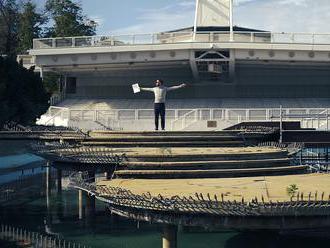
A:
<point x="147" y="89"/>
<point x="176" y="87"/>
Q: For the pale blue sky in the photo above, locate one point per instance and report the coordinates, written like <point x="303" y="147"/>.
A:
<point x="145" y="16"/>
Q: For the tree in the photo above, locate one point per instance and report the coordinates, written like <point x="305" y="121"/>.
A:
<point x="30" y="26"/>
<point x="23" y="97"/>
<point x="69" y="19"/>
<point x="9" y="17"/>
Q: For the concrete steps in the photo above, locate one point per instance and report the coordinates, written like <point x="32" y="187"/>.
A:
<point x="172" y="139"/>
<point x="167" y="138"/>
<point x="194" y="156"/>
<point x="206" y="165"/>
<point x="174" y="174"/>
<point x="227" y="143"/>
<point x="110" y="134"/>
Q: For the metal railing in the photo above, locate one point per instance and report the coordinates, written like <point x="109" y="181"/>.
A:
<point x="186" y="120"/>
<point x="25" y="238"/>
<point x="182" y="118"/>
<point x="181" y="37"/>
<point x="56" y="99"/>
<point x="317" y="158"/>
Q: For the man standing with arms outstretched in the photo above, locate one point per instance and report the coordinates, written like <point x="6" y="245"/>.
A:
<point x="160" y="96"/>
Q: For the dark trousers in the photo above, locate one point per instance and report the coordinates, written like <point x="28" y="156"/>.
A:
<point x="159" y="110"/>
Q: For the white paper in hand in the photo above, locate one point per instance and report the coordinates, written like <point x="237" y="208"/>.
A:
<point x="136" y="88"/>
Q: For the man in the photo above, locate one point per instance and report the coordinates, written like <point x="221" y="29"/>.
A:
<point x="160" y="96"/>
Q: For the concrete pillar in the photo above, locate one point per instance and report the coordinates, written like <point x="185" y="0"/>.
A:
<point x="169" y="236"/>
<point x="90" y="205"/>
<point x="108" y="175"/>
<point x="232" y="66"/>
<point x="80" y="203"/>
<point x="41" y="72"/>
<point x="59" y="181"/>
<point x="48" y="188"/>
<point x="90" y="199"/>
<point x="48" y="178"/>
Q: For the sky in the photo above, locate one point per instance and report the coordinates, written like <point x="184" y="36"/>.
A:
<point x="149" y="16"/>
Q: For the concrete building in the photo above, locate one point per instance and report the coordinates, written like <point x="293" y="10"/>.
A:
<point x="233" y="74"/>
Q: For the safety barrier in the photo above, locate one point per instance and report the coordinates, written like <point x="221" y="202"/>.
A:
<point x="25" y="238"/>
<point x="182" y="37"/>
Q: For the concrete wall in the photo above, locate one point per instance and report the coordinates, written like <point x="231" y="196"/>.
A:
<point x="282" y="81"/>
<point x="117" y="84"/>
<point x="251" y="80"/>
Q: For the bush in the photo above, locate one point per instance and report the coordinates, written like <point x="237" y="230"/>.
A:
<point x="22" y="95"/>
<point x="292" y="190"/>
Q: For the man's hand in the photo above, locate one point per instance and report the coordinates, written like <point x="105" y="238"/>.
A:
<point x="183" y="85"/>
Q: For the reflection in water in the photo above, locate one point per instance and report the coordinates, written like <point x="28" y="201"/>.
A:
<point x="274" y="240"/>
<point x="104" y="230"/>
<point x="58" y="215"/>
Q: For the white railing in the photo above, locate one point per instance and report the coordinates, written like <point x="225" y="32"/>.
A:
<point x="186" y="120"/>
<point x="181" y="37"/>
<point x="183" y="118"/>
<point x="56" y="99"/>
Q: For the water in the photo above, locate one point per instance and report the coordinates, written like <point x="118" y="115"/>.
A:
<point x="60" y="218"/>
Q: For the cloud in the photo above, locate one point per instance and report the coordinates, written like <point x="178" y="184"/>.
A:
<point x="271" y="15"/>
<point x="240" y="2"/>
<point x="285" y="15"/>
<point x="293" y="2"/>
<point x="169" y="17"/>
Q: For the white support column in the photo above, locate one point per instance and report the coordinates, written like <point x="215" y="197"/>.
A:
<point x="193" y="65"/>
<point x="231" y="25"/>
<point x="41" y="72"/>
<point x="195" y="23"/>
<point x="64" y="86"/>
<point x="232" y="65"/>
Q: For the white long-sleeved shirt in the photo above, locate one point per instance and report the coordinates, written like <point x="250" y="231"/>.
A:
<point x="160" y="92"/>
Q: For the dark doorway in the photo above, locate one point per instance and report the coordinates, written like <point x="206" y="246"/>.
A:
<point x="71" y="85"/>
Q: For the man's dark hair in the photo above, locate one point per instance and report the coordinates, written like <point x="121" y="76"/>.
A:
<point x="160" y="80"/>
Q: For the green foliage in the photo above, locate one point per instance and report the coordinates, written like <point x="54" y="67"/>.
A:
<point x="20" y="23"/>
<point x="22" y="94"/>
<point x="69" y="19"/>
<point x="51" y="81"/>
<point x="9" y="19"/>
<point x="292" y="190"/>
<point x="30" y="26"/>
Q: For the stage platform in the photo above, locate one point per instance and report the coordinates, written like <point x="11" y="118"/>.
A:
<point x="270" y="188"/>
